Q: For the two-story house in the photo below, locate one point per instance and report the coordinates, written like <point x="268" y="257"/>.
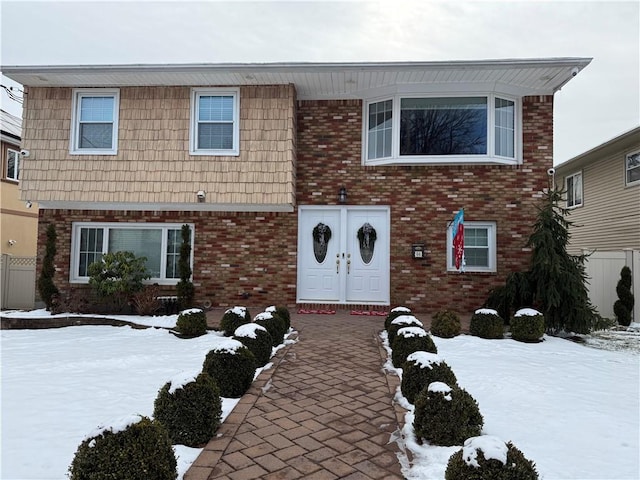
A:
<point x="603" y="195"/>
<point x="303" y="183"/>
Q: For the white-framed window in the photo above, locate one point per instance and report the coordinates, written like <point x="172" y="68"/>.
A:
<point x="442" y="129"/>
<point x="158" y="242"/>
<point x="479" y="247"/>
<point x="215" y="121"/>
<point x="632" y="169"/>
<point x="13" y="164"/>
<point x="94" y="121"/>
<point x="573" y="186"/>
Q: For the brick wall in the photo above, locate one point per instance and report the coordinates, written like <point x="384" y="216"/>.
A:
<point x="255" y="253"/>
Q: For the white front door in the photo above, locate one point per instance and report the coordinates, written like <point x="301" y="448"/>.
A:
<point x="343" y="255"/>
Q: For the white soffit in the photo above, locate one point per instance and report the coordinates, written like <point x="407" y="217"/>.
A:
<point x="317" y="80"/>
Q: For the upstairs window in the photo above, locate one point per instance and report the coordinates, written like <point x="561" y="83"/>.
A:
<point x="573" y="186"/>
<point x="95" y="122"/>
<point x="215" y="124"/>
<point x="455" y="129"/>
<point x="632" y="169"/>
<point x="13" y="164"/>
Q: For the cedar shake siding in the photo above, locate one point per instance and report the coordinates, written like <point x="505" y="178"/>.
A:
<point x="250" y="258"/>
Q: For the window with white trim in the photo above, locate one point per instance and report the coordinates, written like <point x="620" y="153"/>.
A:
<point x="426" y="129"/>
<point x="479" y="247"/>
<point x="94" y="121"/>
<point x="573" y="186"/>
<point x="632" y="169"/>
<point x="215" y="121"/>
<point x="158" y="242"/>
<point x="13" y="164"/>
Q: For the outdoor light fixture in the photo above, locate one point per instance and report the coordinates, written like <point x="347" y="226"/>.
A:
<point x="342" y="195"/>
<point x="201" y="195"/>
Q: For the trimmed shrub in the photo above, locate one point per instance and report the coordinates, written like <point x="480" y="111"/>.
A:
<point x="46" y="287"/>
<point x="232" y="366"/>
<point x="445" y="324"/>
<point x="233" y="318"/>
<point x="192" y="322"/>
<point x="274" y="325"/>
<point x="420" y="370"/>
<point x="400" y="322"/>
<point x="624" y="305"/>
<point x="527" y="325"/>
<point x="283" y="313"/>
<point x="489" y="458"/>
<point x="189" y="407"/>
<point x="446" y="416"/>
<point x="257" y="339"/>
<point x="135" y="447"/>
<point x="486" y="323"/>
<point x="409" y="340"/>
<point x="395" y="313"/>
<point x="185" y="288"/>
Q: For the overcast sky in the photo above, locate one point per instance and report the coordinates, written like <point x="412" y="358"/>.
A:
<point x="602" y="102"/>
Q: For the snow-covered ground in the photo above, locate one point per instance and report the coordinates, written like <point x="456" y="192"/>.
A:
<point x="572" y="409"/>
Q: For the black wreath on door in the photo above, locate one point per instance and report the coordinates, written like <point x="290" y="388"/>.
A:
<point x="321" y="237"/>
<point x="367" y="239"/>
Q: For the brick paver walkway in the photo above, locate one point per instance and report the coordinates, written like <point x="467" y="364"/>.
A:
<point x="324" y="411"/>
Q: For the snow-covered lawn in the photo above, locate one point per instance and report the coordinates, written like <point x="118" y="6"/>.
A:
<point x="572" y="409"/>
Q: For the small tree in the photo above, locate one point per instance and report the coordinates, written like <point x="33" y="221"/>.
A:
<point x="46" y="287"/>
<point x="185" y="287"/>
<point x="624" y="305"/>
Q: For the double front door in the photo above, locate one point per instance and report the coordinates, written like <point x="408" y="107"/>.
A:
<point x="343" y="255"/>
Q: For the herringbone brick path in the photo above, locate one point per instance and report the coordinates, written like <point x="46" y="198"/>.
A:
<point x="324" y="411"/>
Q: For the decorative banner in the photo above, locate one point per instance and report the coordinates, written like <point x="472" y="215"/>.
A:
<point x="457" y="231"/>
<point x="321" y="237"/>
<point x="367" y="238"/>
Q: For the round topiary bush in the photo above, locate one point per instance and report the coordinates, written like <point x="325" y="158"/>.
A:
<point x="233" y="318"/>
<point x="190" y="408"/>
<point x="489" y="458"/>
<point x="257" y="339"/>
<point x="232" y="366"/>
<point x="445" y="324"/>
<point x="486" y="323"/>
<point x="420" y="370"/>
<point x="131" y="447"/>
<point x="446" y="416"/>
<point x="527" y="325"/>
<point x="409" y="340"/>
<point x="395" y="313"/>
<point x="192" y="322"/>
<point x="399" y="322"/>
<point x="274" y="325"/>
<point x="283" y="313"/>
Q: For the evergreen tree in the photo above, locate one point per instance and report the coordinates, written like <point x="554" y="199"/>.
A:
<point x="185" y="287"/>
<point x="46" y="287"/>
<point x="558" y="279"/>
<point x="624" y="305"/>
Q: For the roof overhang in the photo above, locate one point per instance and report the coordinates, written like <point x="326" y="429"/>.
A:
<point x="317" y="80"/>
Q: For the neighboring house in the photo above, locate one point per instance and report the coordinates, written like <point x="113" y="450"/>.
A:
<point x="603" y="194"/>
<point x="304" y="183"/>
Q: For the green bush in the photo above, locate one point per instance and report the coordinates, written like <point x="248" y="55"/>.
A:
<point x="527" y="325"/>
<point x="233" y="318"/>
<point x="446" y="416"/>
<point x="137" y="448"/>
<point x="420" y="370"/>
<point x="257" y="339"/>
<point x="185" y="288"/>
<point x="190" y="409"/>
<point x="409" y="340"/>
<point x="399" y="322"/>
<point x="445" y="324"/>
<point x="489" y="458"/>
<point x="232" y="366"/>
<point x="624" y="305"/>
<point x="486" y="323"/>
<point x="283" y="313"/>
<point x="395" y="313"/>
<point x="46" y="287"/>
<point x="192" y="322"/>
<point x="274" y="325"/>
